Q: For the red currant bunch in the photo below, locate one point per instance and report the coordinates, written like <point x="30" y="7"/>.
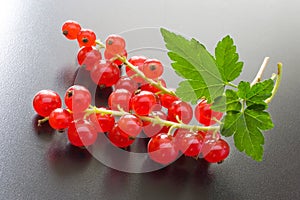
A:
<point x="140" y="104"/>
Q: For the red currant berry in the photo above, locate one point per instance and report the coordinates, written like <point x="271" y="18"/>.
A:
<point x="71" y="29"/>
<point x="138" y="62"/>
<point x="166" y="99"/>
<point x="77" y="98"/>
<point x="151" y="129"/>
<point x="60" y="119"/>
<point x="181" y="110"/>
<point x="119" y="98"/>
<point x="82" y="133"/>
<point x="115" y="44"/>
<point x="102" y="122"/>
<point x="205" y="115"/>
<point x="119" y="138"/>
<point x="105" y="74"/>
<point x="161" y="149"/>
<point x="188" y="142"/>
<point x="76" y="116"/>
<point x="110" y="55"/>
<point x="126" y="83"/>
<point x="218" y="152"/>
<point x="151" y="88"/>
<point x="45" y="101"/>
<point x="88" y="57"/>
<point x="209" y="137"/>
<point x="86" y="37"/>
<point x="130" y="124"/>
<point x="143" y="102"/>
<point x="153" y="68"/>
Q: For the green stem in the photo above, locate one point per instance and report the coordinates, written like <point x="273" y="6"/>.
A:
<point x="277" y="83"/>
<point x="243" y="105"/>
<point x="100" y="44"/>
<point x="41" y="121"/>
<point x="154" y="120"/>
<point x="141" y="74"/>
<point x="232" y="85"/>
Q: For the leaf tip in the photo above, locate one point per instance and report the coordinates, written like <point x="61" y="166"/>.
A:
<point x="164" y="31"/>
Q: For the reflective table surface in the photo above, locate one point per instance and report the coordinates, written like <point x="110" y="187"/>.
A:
<point x="38" y="163"/>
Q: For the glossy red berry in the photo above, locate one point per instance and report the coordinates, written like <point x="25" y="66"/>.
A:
<point x="205" y="115"/>
<point x="151" y="88"/>
<point x="105" y="74"/>
<point x="130" y="124"/>
<point x="115" y="44"/>
<point x="153" y="68"/>
<point x="209" y="137"/>
<point x="119" y="138"/>
<point x="76" y="116"/>
<point x="143" y="102"/>
<point x="45" y="101"/>
<point x="161" y="149"/>
<point x="188" y="142"/>
<point x="86" y="37"/>
<point x="138" y="62"/>
<point x="111" y="57"/>
<point x="82" y="133"/>
<point x="151" y="129"/>
<point x="88" y="57"/>
<point x="77" y="98"/>
<point x="218" y="152"/>
<point x="60" y="119"/>
<point x="181" y="110"/>
<point x="126" y="83"/>
<point x="102" y="122"/>
<point x="70" y="29"/>
<point x="119" y="98"/>
<point x="166" y="99"/>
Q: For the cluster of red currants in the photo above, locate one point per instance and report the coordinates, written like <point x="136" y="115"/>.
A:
<point x="140" y="102"/>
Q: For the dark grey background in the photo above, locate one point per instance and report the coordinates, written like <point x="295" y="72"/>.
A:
<point x="36" y="163"/>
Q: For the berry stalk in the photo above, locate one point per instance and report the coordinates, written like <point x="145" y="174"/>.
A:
<point x="100" y="44"/>
<point x="142" y="75"/>
<point x="277" y="83"/>
<point x="154" y="120"/>
<point x="41" y="121"/>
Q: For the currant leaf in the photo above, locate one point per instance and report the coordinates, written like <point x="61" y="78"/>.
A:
<point x="246" y="128"/>
<point x="257" y="93"/>
<point x="227" y="59"/>
<point x="228" y="102"/>
<point x="260" y="92"/>
<point x="195" y="64"/>
<point x="243" y="89"/>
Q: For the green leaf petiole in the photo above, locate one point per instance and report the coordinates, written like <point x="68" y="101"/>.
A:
<point x="277" y="83"/>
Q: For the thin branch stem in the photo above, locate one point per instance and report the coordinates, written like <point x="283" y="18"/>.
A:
<point x="141" y="74"/>
<point x="154" y="120"/>
<point x="277" y="83"/>
<point x="41" y="121"/>
<point x="100" y="44"/>
<point x="232" y="85"/>
<point x="261" y="71"/>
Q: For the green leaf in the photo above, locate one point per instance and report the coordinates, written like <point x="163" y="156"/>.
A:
<point x="227" y="59"/>
<point x="259" y="107"/>
<point x="195" y="64"/>
<point x="260" y="92"/>
<point x="229" y="102"/>
<point x="243" y="89"/>
<point x="246" y="128"/>
<point x="257" y="93"/>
